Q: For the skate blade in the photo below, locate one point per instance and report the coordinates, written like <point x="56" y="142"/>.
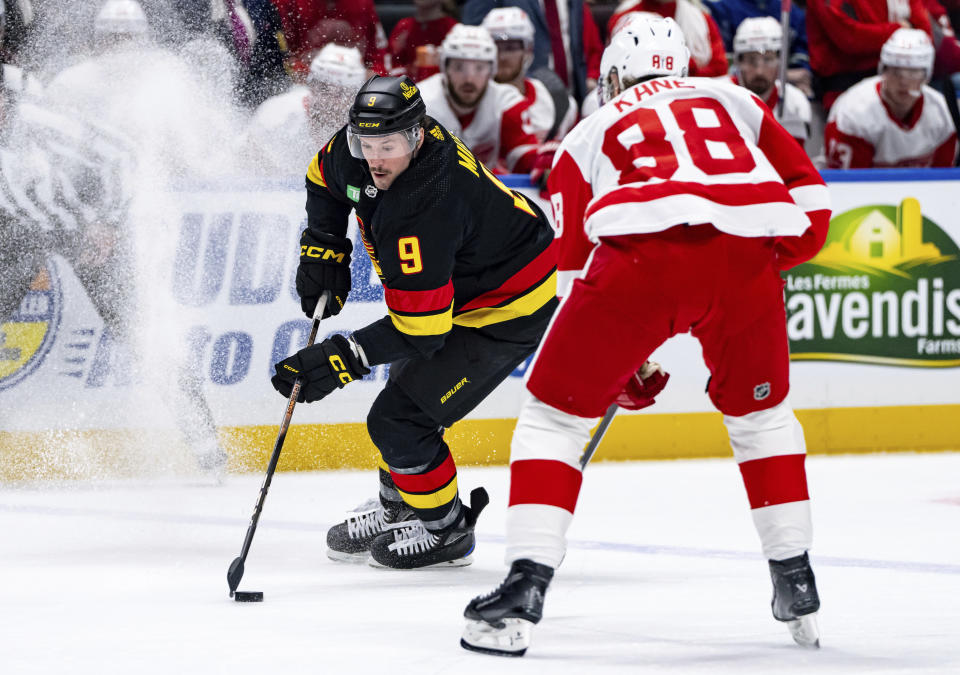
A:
<point x="459" y="562"/>
<point x="805" y="631"/>
<point x="511" y="640"/>
<point x="352" y="558"/>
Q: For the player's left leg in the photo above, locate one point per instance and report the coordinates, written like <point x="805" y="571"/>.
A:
<point x="748" y="357"/>
<point x="406" y="423"/>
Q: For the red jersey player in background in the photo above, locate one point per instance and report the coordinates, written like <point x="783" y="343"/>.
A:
<point x="696" y="199"/>
<point x="485" y="115"/>
<point x="757" y="52"/>
<point x="893" y="119"/>
<point x="413" y="41"/>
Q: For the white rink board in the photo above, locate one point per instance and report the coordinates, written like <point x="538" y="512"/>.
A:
<point x="245" y="313"/>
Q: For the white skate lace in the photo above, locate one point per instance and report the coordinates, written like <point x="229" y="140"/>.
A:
<point x="367" y="519"/>
<point x="409" y="539"/>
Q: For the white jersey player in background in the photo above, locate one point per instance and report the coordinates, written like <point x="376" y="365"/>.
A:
<point x="757" y="48"/>
<point x="287" y="130"/>
<point x="512" y="31"/>
<point x="695" y="198"/>
<point x="894" y="118"/>
<point x="485" y="115"/>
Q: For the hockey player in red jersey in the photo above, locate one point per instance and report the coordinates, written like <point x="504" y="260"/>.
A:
<point x="695" y="199"/>
<point x="757" y="52"/>
<point x="486" y="115"/>
<point x="894" y="118"/>
<point x="548" y="114"/>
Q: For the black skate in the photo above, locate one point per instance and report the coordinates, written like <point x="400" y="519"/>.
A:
<point x="412" y="546"/>
<point x="350" y="541"/>
<point x="795" y="599"/>
<point x="499" y="623"/>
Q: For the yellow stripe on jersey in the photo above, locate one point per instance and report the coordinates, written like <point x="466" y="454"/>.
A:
<point x="382" y="464"/>
<point x="314" y="174"/>
<point x="423" y="324"/>
<point x="525" y="305"/>
<point x="431" y="500"/>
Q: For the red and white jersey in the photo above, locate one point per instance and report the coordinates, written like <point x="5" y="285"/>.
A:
<point x="674" y="151"/>
<point x="861" y="132"/>
<point x="796" y="109"/>
<point x="539" y="112"/>
<point x="493" y="131"/>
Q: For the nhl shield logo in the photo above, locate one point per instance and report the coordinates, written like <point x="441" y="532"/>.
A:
<point x="370" y="191"/>
<point x="28" y="334"/>
<point x="761" y="391"/>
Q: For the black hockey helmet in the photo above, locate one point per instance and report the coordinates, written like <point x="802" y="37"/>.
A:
<point x="385" y="105"/>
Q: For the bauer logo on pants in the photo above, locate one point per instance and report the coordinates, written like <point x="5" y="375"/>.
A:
<point x="884" y="289"/>
<point x="27" y="336"/>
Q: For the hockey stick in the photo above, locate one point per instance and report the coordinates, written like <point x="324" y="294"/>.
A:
<point x="235" y="572"/>
<point x="598" y="436"/>
<point x="784" y="54"/>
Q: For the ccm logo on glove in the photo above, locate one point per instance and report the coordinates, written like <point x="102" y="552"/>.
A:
<point x="321" y="368"/>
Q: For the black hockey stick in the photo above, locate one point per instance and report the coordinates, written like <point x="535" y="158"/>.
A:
<point x="235" y="572"/>
<point x="598" y="436"/>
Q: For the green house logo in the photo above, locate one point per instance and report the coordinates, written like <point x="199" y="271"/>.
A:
<point x="884" y="289"/>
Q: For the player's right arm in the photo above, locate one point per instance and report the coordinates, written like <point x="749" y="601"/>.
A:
<point x="324" y="247"/>
<point x="570" y="193"/>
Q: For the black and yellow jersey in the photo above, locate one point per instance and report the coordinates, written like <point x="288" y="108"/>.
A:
<point x="450" y="243"/>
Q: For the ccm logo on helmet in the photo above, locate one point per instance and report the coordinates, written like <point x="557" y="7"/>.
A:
<point x="320" y="252"/>
<point x="369" y="124"/>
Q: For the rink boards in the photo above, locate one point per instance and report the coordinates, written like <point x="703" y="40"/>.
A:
<point x="874" y="324"/>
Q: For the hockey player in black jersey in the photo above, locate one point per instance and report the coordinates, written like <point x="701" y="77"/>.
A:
<point x="469" y="275"/>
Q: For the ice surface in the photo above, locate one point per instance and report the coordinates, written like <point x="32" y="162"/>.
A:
<point x="662" y="576"/>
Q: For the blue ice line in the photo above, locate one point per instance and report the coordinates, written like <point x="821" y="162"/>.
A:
<point x="616" y="547"/>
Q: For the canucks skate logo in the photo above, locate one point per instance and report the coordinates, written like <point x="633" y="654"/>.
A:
<point x="885" y="289"/>
<point x="27" y="336"/>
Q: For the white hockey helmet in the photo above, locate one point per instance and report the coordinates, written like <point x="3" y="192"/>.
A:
<point x="644" y="46"/>
<point x="468" y="42"/>
<point x="509" y="23"/>
<point x="907" y="48"/>
<point x="758" y="34"/>
<point x="121" y="17"/>
<point x="338" y="65"/>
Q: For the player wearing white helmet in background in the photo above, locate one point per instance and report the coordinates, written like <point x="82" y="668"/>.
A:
<point x="757" y="52"/>
<point x="118" y="18"/>
<point x="485" y="115"/>
<point x="694" y="198"/>
<point x="287" y="130"/>
<point x="512" y="31"/>
<point x="894" y="118"/>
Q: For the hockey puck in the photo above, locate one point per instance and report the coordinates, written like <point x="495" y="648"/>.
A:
<point x="248" y="596"/>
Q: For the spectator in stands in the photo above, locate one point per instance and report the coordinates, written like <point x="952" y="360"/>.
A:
<point x="310" y="24"/>
<point x="550" y="112"/>
<point x="486" y="115"/>
<point x="708" y="58"/>
<point x="729" y="14"/>
<point x="757" y="52"/>
<point x="945" y="43"/>
<point x="286" y="131"/>
<point x="15" y="17"/>
<point x="414" y="40"/>
<point x="893" y="119"/>
<point x="566" y="39"/>
<point x="845" y="38"/>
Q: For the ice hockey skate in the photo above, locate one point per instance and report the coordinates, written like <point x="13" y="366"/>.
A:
<point x="407" y="546"/>
<point x="350" y="540"/>
<point x="500" y="622"/>
<point x="795" y="599"/>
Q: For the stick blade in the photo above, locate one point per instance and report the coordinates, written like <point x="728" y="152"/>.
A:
<point x="235" y="574"/>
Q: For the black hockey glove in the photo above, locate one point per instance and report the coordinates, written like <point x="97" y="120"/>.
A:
<point x="324" y="367"/>
<point x="324" y="266"/>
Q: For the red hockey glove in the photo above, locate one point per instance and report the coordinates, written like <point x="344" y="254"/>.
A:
<point x="643" y="387"/>
<point x="542" y="165"/>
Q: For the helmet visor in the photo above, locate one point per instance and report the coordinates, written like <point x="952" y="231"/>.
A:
<point x="383" y="146"/>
